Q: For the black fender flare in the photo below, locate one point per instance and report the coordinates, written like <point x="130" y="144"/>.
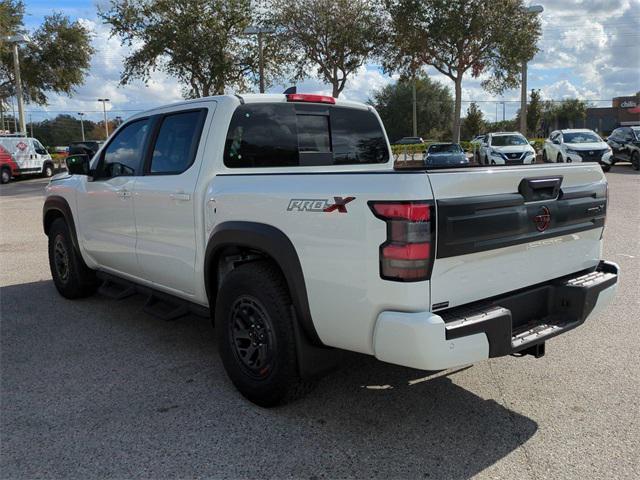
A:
<point x="55" y="206"/>
<point x="274" y="243"/>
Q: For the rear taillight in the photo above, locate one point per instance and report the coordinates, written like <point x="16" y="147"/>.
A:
<point x="407" y="254"/>
<point x="310" y="98"/>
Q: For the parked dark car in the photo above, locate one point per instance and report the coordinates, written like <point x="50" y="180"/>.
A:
<point x="625" y="143"/>
<point x="89" y="147"/>
<point x="445" y="155"/>
<point x="409" y="141"/>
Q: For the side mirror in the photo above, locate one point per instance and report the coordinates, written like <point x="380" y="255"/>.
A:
<point x="78" y="164"/>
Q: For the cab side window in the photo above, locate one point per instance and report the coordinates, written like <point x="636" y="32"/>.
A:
<point x="123" y="156"/>
<point x="37" y="146"/>
<point x="177" y="142"/>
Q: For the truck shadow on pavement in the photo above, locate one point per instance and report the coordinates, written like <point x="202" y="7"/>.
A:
<point x="97" y="388"/>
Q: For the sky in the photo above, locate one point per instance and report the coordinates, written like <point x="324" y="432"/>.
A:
<point x="590" y="49"/>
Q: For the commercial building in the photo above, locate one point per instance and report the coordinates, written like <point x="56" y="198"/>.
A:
<point x="623" y="111"/>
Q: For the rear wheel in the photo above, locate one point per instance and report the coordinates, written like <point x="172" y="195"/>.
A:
<point x="47" y="170"/>
<point x="256" y="337"/>
<point x="5" y="175"/>
<point x="635" y="160"/>
<point x="71" y="276"/>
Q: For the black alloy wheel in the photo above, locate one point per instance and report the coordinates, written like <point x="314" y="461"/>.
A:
<point x="251" y="336"/>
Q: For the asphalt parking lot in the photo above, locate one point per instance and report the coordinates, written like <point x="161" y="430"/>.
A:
<point x="99" y="389"/>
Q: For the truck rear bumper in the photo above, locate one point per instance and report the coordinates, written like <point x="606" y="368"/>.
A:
<point x="500" y="326"/>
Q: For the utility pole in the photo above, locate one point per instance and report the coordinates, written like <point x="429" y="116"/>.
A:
<point x="259" y="31"/>
<point x="31" y="124"/>
<point x="15" y="119"/>
<point x="533" y="10"/>
<point x="104" y="111"/>
<point x="503" y="111"/>
<point x="16" y="40"/>
<point x="2" y="114"/>
<point x="415" y="108"/>
<point x="81" y="124"/>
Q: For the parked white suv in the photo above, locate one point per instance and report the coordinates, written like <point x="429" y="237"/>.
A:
<point x="576" y="145"/>
<point x="506" y="148"/>
<point x="283" y="218"/>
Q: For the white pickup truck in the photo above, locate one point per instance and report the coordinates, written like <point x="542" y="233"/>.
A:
<point x="282" y="217"/>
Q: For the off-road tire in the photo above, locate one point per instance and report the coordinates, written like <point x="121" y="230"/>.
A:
<point x="71" y="276"/>
<point x="5" y="175"/>
<point x="256" y="295"/>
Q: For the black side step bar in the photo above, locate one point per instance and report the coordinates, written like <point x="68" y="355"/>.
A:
<point x="159" y="304"/>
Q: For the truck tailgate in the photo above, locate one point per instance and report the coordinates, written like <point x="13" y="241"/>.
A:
<point x="505" y="228"/>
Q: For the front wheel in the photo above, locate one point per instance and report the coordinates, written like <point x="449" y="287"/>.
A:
<point x="254" y="323"/>
<point x="71" y="276"/>
<point x="605" y="167"/>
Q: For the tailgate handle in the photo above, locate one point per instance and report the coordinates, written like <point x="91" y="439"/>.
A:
<point x="540" y="188"/>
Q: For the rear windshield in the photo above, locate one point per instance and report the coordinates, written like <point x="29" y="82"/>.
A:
<point x="290" y="135"/>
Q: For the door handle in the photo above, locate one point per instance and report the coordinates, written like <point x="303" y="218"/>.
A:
<point x="180" y="197"/>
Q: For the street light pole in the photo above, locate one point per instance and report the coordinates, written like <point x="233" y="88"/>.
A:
<point x="259" y="31"/>
<point x="104" y="111"/>
<point x="523" y="100"/>
<point x="81" y="124"/>
<point x="533" y="10"/>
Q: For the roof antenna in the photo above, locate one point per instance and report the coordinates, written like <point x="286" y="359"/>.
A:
<point x="291" y="90"/>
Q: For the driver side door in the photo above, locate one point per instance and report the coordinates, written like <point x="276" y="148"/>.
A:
<point x="106" y="216"/>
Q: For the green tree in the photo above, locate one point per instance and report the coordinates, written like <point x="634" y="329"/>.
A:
<point x="56" y="59"/>
<point x="534" y="113"/>
<point x="394" y="105"/>
<point x="60" y="130"/>
<point x="458" y="37"/>
<point x="571" y="111"/>
<point x="334" y="37"/>
<point x="473" y="124"/>
<point x="565" y="114"/>
<point x="199" y="42"/>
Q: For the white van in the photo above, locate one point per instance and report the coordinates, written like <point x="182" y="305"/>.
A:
<point x="28" y="156"/>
